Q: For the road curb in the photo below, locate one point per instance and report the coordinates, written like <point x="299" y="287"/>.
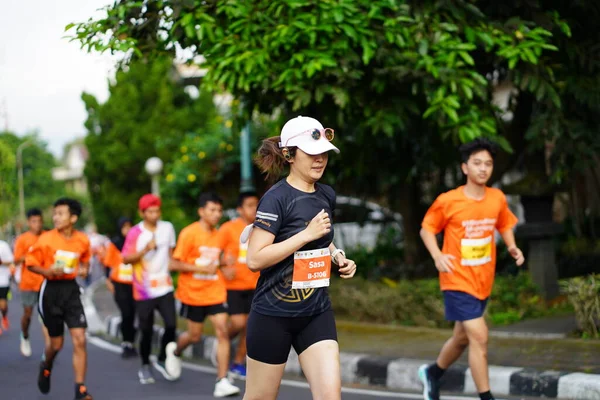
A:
<point x="394" y="373"/>
<point x="401" y="373"/>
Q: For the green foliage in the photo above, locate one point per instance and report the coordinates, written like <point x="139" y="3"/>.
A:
<point x="409" y="303"/>
<point x="584" y="295"/>
<point x="7" y="169"/>
<point x="419" y="302"/>
<point x="203" y="162"/>
<point x="404" y="79"/>
<point x="384" y="260"/>
<point x="38" y="186"/>
<point x="147" y="114"/>
<point x="339" y="54"/>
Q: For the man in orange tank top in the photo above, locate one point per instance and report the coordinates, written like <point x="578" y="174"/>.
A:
<point x="469" y="217"/>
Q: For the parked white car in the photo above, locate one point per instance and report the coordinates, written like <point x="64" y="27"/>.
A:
<point x="360" y="223"/>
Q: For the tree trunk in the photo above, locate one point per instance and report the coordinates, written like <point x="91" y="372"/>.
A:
<point x="406" y="199"/>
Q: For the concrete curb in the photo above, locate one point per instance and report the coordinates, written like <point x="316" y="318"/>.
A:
<point x="402" y="373"/>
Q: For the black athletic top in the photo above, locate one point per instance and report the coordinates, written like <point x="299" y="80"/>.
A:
<point x="284" y="211"/>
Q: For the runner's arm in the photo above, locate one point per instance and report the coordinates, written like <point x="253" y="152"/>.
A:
<point x="431" y="243"/>
<point x="180" y="266"/>
<point x="46" y="273"/>
<point x="509" y="238"/>
<point x="262" y="253"/>
<point x="84" y="269"/>
<point x="135" y="257"/>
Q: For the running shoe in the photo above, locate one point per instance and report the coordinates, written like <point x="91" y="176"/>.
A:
<point x="128" y="351"/>
<point x="5" y="323"/>
<point x="224" y="388"/>
<point x="431" y="386"/>
<point x="238" y="371"/>
<point x="82" y="394"/>
<point x="160" y="367"/>
<point x="25" y="346"/>
<point x="44" y="378"/>
<point x="145" y="375"/>
<point x="172" y="363"/>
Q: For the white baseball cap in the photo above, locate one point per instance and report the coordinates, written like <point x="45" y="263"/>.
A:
<point x="298" y="132"/>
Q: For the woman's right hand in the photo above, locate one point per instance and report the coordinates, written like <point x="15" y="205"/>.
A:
<point x="318" y="227"/>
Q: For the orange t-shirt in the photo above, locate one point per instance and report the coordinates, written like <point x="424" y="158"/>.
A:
<point x="119" y="272"/>
<point x="469" y="226"/>
<point x="201" y="247"/>
<point x="30" y="281"/>
<point x="244" y="278"/>
<point x="54" y="248"/>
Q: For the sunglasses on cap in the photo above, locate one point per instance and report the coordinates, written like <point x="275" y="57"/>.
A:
<point x="316" y="134"/>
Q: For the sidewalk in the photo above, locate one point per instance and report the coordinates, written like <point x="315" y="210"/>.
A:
<point x="389" y="355"/>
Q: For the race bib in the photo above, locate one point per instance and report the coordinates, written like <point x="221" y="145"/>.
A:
<point x="243" y="252"/>
<point x="312" y="269"/>
<point x="66" y="260"/>
<point x="204" y="262"/>
<point x="475" y="252"/>
<point x="125" y="273"/>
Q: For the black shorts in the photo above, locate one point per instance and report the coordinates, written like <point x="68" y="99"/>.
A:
<point x="269" y="339"/>
<point x="4" y="292"/>
<point x="59" y="304"/>
<point x="199" y="313"/>
<point x="239" y="301"/>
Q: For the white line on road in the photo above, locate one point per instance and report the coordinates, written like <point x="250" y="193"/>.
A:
<point x="103" y="344"/>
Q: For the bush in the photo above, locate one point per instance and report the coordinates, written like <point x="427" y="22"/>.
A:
<point x="404" y="302"/>
<point x="420" y="303"/>
<point x="584" y="295"/>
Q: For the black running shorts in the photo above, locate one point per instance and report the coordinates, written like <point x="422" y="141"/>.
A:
<point x="269" y="339"/>
<point x="4" y="292"/>
<point x="239" y="301"/>
<point x="59" y="304"/>
<point x="199" y="313"/>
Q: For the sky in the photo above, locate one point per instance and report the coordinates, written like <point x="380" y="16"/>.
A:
<point x="42" y="74"/>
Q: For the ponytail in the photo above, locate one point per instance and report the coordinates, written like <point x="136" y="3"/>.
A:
<point x="270" y="159"/>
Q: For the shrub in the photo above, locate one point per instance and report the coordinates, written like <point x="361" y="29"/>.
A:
<point x="420" y="303"/>
<point x="584" y="295"/>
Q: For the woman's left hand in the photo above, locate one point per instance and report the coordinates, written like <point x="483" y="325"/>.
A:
<point x="347" y="267"/>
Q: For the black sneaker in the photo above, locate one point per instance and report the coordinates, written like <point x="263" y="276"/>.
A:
<point x="129" y="352"/>
<point x="431" y="386"/>
<point x="82" y="394"/>
<point x="44" y="378"/>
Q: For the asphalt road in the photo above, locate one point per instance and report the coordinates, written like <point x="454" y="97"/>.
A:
<point x="111" y="378"/>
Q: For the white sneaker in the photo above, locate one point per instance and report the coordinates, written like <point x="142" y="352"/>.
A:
<point x="25" y="347"/>
<point x="173" y="363"/>
<point x="224" y="388"/>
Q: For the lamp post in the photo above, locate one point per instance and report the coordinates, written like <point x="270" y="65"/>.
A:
<point x="246" y="184"/>
<point x="154" y="166"/>
<point x="20" y="172"/>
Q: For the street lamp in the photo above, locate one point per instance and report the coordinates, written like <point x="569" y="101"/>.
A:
<point x="20" y="169"/>
<point x="154" y="166"/>
<point x="246" y="160"/>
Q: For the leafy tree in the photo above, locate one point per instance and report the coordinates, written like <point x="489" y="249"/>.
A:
<point x="147" y="114"/>
<point x="39" y="187"/>
<point x="401" y="80"/>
